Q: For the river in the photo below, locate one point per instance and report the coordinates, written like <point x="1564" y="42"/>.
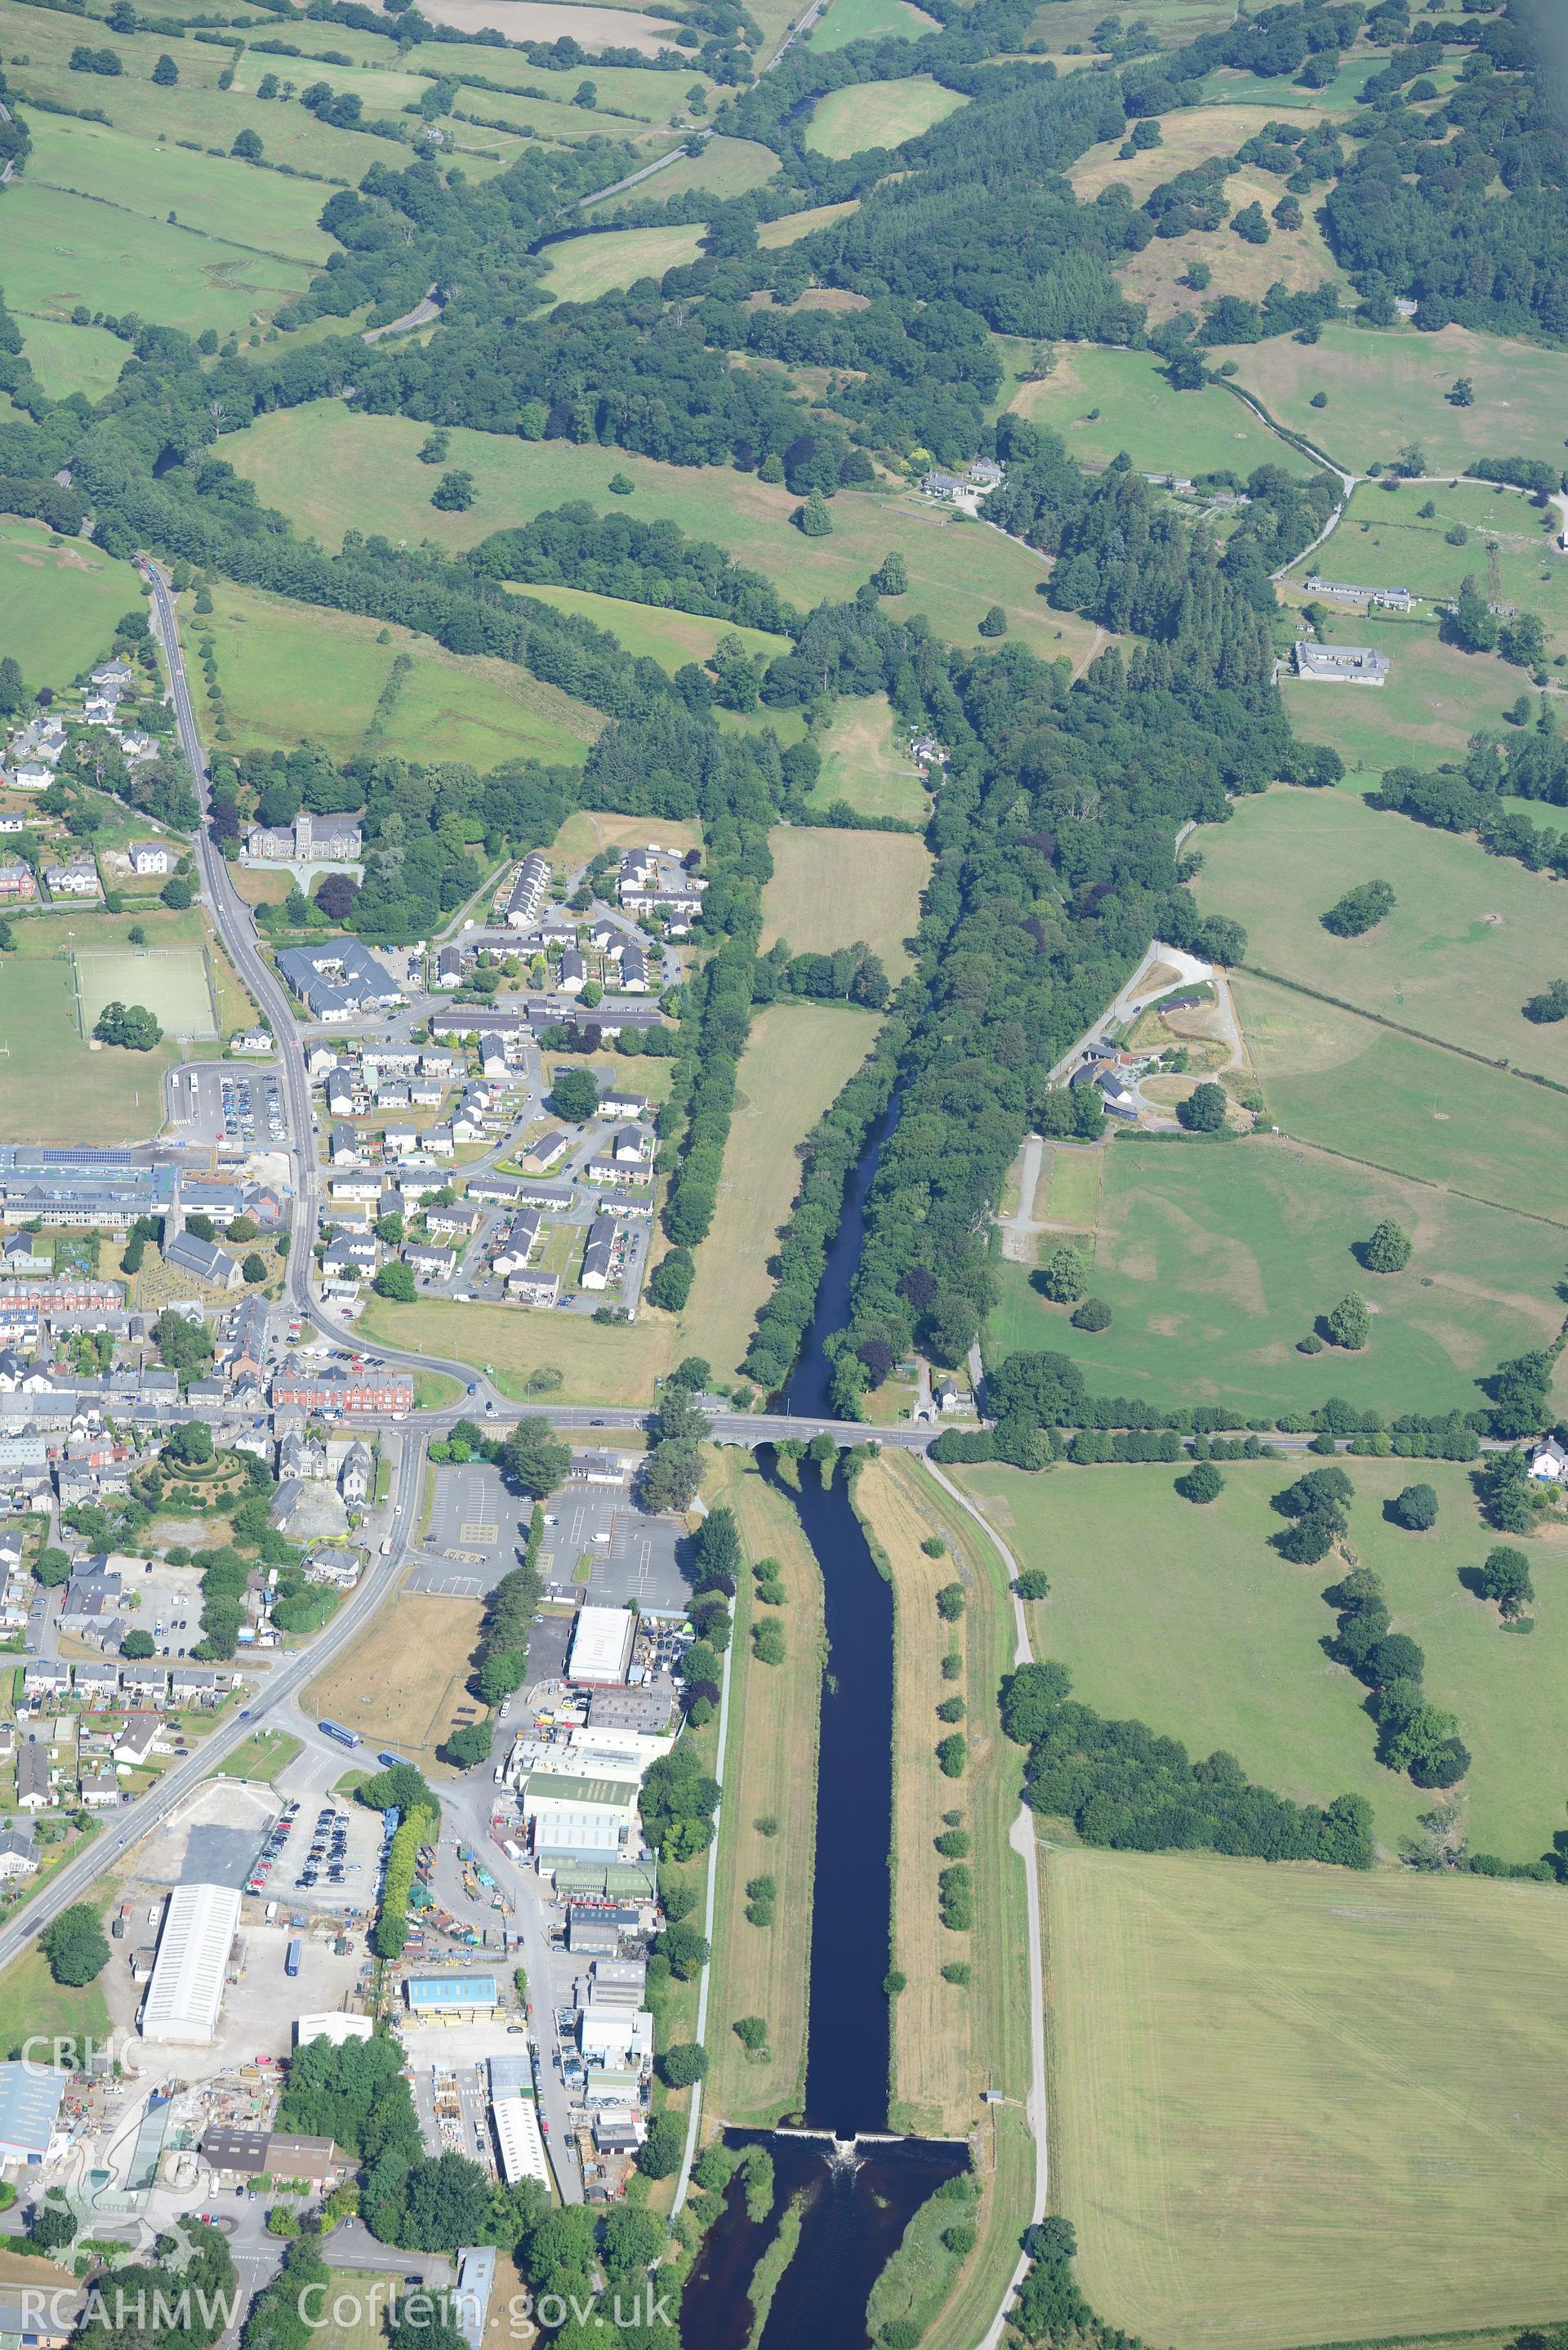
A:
<point x="863" y="2185"/>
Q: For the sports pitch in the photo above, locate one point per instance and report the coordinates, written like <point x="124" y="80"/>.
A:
<point x="173" y="982"/>
<point x="1293" y="2104"/>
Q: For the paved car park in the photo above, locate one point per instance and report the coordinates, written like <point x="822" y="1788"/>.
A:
<point x="479" y="1532"/>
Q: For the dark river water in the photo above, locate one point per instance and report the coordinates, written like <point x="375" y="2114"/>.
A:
<point x="863" y="2187"/>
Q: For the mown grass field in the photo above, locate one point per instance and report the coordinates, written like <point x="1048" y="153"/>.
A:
<point x="60" y="601"/>
<point x="878" y="114"/>
<point x="1216" y="1260"/>
<point x="1470" y="937"/>
<point x="724" y="167"/>
<point x="1185" y="1618"/>
<point x="54" y="1087"/>
<point x="797" y="1060"/>
<point x="171" y="982"/>
<point x="868" y="20"/>
<point x="865" y="762"/>
<point x="583" y="268"/>
<point x="404" y="1678"/>
<point x="1101" y="401"/>
<point x="1434" y="699"/>
<point x="66" y="359"/>
<point x="1386" y="538"/>
<point x="1290" y="2104"/>
<point x="598" y="1364"/>
<point x="952" y="2040"/>
<point x="32" y="2002"/>
<point x="1387" y="386"/>
<point x="1331" y="1078"/>
<point x="655" y="630"/>
<point x="825" y="884"/>
<point x="219" y="198"/>
<point x="770" y="1773"/>
<point x="289" y="672"/>
<point x="329" y="471"/>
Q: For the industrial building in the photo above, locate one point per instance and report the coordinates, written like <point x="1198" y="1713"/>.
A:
<point x="186" y="1992"/>
<point x="475" y="2283"/>
<point x="601" y="1645"/>
<point x="578" y="1818"/>
<point x="519" y="2141"/>
<point x="444" y="1995"/>
<point x="30" y="2098"/>
<point x="333" y="2026"/>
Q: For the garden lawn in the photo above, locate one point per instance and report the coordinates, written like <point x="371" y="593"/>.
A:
<point x="1103" y="401"/>
<point x="1434" y="699"/>
<point x="1331" y="1078"/>
<point x="600" y="1363"/>
<point x="864" y="115"/>
<point x="1184" y="1618"/>
<point x="330" y="472"/>
<point x="831" y="888"/>
<point x="581" y="268"/>
<point x="844" y="21"/>
<point x="1290" y="2104"/>
<point x="722" y="167"/>
<point x="64" y="249"/>
<point x="797" y="1060"/>
<point x="292" y="670"/>
<point x="655" y="630"/>
<point x="1216" y="1259"/>
<point x="1469" y="937"/>
<point x="60" y="600"/>
<point x="404" y="1679"/>
<point x="1387" y="386"/>
<point x="770" y="1771"/>
<point x="865" y="763"/>
<point x="1386" y="540"/>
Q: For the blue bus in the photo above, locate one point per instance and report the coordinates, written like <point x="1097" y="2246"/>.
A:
<point x="291" y="1963"/>
<point x="335" y="1729"/>
<point x="394" y="1762"/>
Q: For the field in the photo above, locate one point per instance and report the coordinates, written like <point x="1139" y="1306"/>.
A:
<point x="586" y="832"/>
<point x="171" y="982"/>
<point x="1469" y="940"/>
<point x="138" y="176"/>
<point x="291" y="671"/>
<point x="66" y="249"/>
<point x="1215" y="1260"/>
<point x="655" y="630"/>
<point x="865" y="762"/>
<point x="59" y="601"/>
<point x="770" y="1773"/>
<point x="1387" y="386"/>
<point x="1434" y="700"/>
<point x="583" y="268"/>
<point x="1184" y="1618"/>
<point x="329" y="473"/>
<point x="403" y="1679"/>
<point x="723" y="167"/>
<point x="261" y="1757"/>
<point x="877" y="114"/>
<point x="1058" y="23"/>
<point x="867" y="20"/>
<point x="355" y="2313"/>
<point x="1133" y="408"/>
<point x="52" y="1088"/>
<point x="598" y="1364"/>
<point x="1187" y="139"/>
<point x="1298" y="259"/>
<point x="66" y="359"/>
<point x="830" y="888"/>
<point x="951" y="2041"/>
<point x="31" y="2001"/>
<point x="1332" y="1078"/>
<point x="555" y="20"/>
<point x="798" y="1058"/>
<point x="1385" y="539"/>
<point x="795" y="225"/>
<point x="1290" y="2105"/>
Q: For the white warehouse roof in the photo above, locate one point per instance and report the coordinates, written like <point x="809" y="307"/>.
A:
<point x="333" y="2025"/>
<point x="601" y="1645"/>
<point x="518" y="2140"/>
<point x="187" y="1987"/>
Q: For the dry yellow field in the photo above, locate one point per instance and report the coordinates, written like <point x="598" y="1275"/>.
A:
<point x="797" y="1060"/>
<point x="1292" y="2104"/>
<point x="598" y="1363"/>
<point x="586" y="831"/>
<point x="770" y="1771"/>
<point x="830" y="888"/>
<point x="1189" y="138"/>
<point x="403" y="1680"/>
